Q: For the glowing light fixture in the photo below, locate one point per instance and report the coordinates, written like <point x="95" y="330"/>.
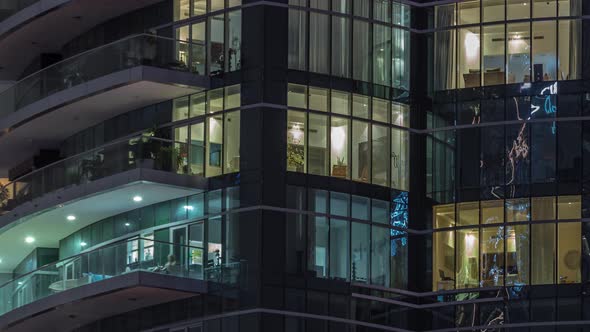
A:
<point x="137" y="199"/>
<point x="83" y="244"/>
<point x="71" y="217"/>
<point x="189" y="207"/>
<point x="29" y="239"/>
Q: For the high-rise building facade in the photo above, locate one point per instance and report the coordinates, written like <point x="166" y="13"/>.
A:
<point x="294" y="165"/>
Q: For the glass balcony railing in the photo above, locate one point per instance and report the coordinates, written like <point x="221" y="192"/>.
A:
<point x="11" y="7"/>
<point x="117" y="157"/>
<point x="120" y="258"/>
<point x="148" y="50"/>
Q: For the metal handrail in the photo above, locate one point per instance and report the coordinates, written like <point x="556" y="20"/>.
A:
<point x="92" y="251"/>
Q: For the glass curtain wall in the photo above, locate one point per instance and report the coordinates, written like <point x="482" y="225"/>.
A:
<point x="467" y="54"/>
<point x="348" y="47"/>
<point x="349" y="147"/>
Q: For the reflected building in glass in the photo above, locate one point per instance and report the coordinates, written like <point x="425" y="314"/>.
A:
<point x="294" y="165"/>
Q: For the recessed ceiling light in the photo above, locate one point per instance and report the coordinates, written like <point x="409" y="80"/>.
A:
<point x="83" y="244"/>
<point x="127" y="224"/>
<point x="137" y="198"/>
<point x="29" y="239"/>
<point x="71" y="217"/>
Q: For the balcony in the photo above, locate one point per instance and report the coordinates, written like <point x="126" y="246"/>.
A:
<point x="31" y="27"/>
<point x="90" y="88"/>
<point x="109" y="280"/>
<point x="93" y="185"/>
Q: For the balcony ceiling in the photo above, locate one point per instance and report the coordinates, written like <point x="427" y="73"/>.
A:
<point x="51" y="225"/>
<point x="47" y="25"/>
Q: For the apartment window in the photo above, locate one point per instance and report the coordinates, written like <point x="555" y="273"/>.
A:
<point x="232" y="142"/>
<point x="518" y="9"/>
<point x="217" y="44"/>
<point x="518" y="60"/>
<point x="318" y="144"/>
<point x="319" y="27"/>
<point x="492" y="10"/>
<point x="340" y="46"/>
<point x="234" y="42"/>
<point x="339" y="143"/>
<point x="361" y="157"/>
<point x="493" y="55"/>
<point x="469" y="70"/>
<point x="339" y="249"/>
<point x="318" y="99"/>
<point x="296" y="131"/>
<point x="361" y="49"/>
<point x="380" y="147"/>
<point x="381" y="54"/>
<point x="198" y="48"/>
<point x="468" y="12"/>
<point x="467" y="270"/>
<point x="297" y="39"/>
<point x="214" y="146"/>
<point x="360" y="242"/>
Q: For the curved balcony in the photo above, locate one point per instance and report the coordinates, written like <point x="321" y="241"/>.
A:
<point x="90" y="88"/>
<point x="154" y="166"/>
<point x="145" y="271"/>
<point x="31" y="27"/>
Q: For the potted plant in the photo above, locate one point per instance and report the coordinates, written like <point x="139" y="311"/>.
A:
<point x="340" y="169"/>
<point x="295" y="158"/>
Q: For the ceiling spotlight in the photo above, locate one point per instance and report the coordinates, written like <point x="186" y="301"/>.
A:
<point x="137" y="199"/>
<point x="71" y="217"/>
<point x="83" y="244"/>
<point x="127" y="224"/>
<point x="29" y="239"/>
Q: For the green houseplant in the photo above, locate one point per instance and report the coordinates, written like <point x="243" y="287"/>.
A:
<point x="295" y="158"/>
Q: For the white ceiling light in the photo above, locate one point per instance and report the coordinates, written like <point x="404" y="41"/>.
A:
<point x="71" y="217"/>
<point x="137" y="198"/>
<point x="29" y="239"/>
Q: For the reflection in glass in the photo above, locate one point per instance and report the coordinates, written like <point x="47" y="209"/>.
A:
<point x="216" y="44"/>
<point x="380" y="146"/>
<point x="544" y="51"/>
<point x="492" y="256"/>
<point x="517" y="255"/>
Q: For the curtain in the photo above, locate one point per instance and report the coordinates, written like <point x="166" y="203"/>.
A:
<point x="340" y="46"/>
<point x="297" y="39"/>
<point x="444" y="48"/>
<point x="319" y="39"/>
